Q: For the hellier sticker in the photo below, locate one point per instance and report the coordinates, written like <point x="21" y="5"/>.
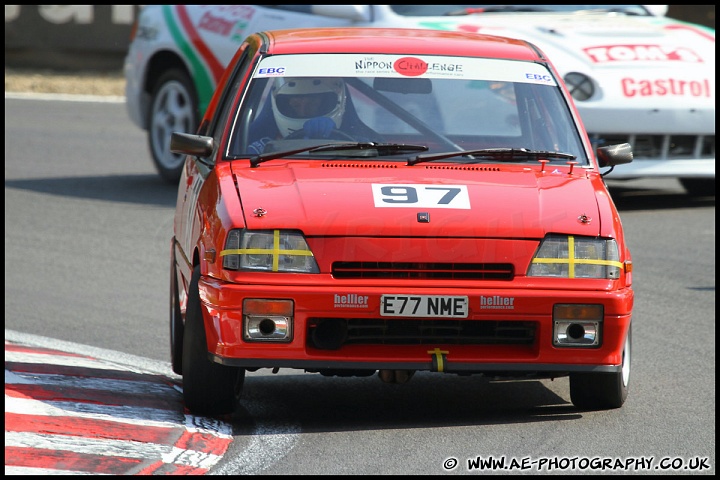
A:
<point x="497" y="302"/>
<point x="351" y="300"/>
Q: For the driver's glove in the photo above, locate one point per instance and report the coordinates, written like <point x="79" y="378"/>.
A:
<point x="318" y="127"/>
<point x="258" y="146"/>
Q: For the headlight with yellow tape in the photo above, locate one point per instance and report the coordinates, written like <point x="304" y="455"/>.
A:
<point x="284" y="251"/>
<point x="569" y="256"/>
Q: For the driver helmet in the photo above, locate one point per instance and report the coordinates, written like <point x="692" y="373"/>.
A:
<point x="295" y="100"/>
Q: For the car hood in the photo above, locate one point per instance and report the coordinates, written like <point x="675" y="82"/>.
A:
<point x="337" y="198"/>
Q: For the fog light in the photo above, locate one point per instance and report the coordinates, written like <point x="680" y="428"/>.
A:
<point x="261" y="328"/>
<point x="577" y="325"/>
<point x="267" y="320"/>
<point x="576" y="334"/>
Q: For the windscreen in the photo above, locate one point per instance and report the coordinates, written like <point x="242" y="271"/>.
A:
<point x="444" y="103"/>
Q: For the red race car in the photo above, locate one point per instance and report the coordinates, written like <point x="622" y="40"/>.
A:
<point x="363" y="200"/>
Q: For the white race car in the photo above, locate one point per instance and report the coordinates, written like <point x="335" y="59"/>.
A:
<point x="636" y="75"/>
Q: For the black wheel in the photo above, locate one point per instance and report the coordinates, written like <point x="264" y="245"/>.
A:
<point x="601" y="391"/>
<point x="699" y="187"/>
<point x="334" y="134"/>
<point x="176" y="320"/>
<point x="208" y="387"/>
<point x="173" y="108"/>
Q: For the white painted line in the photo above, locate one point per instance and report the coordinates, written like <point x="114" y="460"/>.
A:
<point x="131" y="362"/>
<point x="46" y="471"/>
<point x="65" y="97"/>
<point x="131" y="415"/>
<point x="113" y="448"/>
<point x="66" y="381"/>
<point x="66" y="360"/>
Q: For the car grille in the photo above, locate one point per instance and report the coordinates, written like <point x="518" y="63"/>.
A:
<point x="423" y="271"/>
<point x="370" y="331"/>
<point x="661" y="147"/>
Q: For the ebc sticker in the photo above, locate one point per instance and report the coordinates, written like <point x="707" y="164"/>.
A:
<point x="421" y="196"/>
<point x="271" y="72"/>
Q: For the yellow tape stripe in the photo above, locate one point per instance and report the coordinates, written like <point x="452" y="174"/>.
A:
<point x="264" y="251"/>
<point x="276" y="251"/>
<point x="572" y="261"/>
<point x="580" y="260"/>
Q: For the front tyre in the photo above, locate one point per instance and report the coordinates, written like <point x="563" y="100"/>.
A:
<point x="173" y="108"/>
<point x="176" y="320"/>
<point x="208" y="387"/>
<point x="602" y="391"/>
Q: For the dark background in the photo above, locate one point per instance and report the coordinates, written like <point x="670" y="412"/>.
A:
<point x="96" y="37"/>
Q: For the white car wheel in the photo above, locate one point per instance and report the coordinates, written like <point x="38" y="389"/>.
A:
<point x="173" y="108"/>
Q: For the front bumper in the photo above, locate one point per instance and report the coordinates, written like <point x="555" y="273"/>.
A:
<point x="418" y="348"/>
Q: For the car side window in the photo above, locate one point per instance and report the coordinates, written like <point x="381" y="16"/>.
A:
<point x="218" y="124"/>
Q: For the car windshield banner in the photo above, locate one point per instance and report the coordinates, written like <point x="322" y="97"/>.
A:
<point x="426" y="66"/>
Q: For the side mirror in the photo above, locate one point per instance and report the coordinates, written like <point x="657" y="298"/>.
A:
<point x="189" y="144"/>
<point x="611" y="155"/>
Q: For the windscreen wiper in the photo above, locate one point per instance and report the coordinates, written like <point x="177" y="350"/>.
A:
<point x="502" y="154"/>
<point x="381" y="148"/>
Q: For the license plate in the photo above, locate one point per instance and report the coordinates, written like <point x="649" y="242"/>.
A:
<point x="434" y="306"/>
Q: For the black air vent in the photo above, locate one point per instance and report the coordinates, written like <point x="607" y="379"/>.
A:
<point x="424" y="271"/>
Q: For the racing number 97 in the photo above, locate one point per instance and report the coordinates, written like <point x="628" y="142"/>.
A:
<point x="405" y="194"/>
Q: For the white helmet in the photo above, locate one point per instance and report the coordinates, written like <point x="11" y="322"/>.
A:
<point x="327" y="96"/>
